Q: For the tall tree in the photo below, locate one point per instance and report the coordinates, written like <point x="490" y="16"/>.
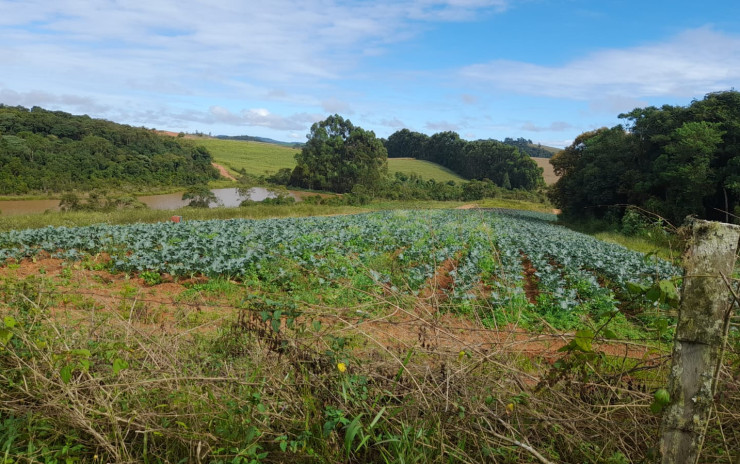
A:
<point x="685" y="168"/>
<point x="338" y="156"/>
<point x="674" y="161"/>
<point x="406" y="144"/>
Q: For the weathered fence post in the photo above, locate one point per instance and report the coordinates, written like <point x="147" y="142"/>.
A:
<point x="705" y="300"/>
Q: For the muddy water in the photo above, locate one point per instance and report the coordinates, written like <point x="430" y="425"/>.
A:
<point x="228" y="197"/>
<point x="11" y="207"/>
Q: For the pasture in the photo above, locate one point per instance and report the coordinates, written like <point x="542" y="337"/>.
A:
<point x="258" y="159"/>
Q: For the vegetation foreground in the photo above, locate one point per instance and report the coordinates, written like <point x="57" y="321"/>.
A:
<point x="396" y="336"/>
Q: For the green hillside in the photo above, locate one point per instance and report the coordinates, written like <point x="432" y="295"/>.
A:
<point x="43" y="152"/>
<point x="255" y="158"/>
<point x="552" y="150"/>
<point x="425" y="169"/>
<point x="258" y="158"/>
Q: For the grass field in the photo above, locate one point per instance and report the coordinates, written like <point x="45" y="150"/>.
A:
<point x="254" y="157"/>
<point x="548" y="171"/>
<point x="426" y="169"/>
<point x="262" y="158"/>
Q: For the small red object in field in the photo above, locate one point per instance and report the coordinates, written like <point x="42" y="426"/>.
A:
<point x="176" y="218"/>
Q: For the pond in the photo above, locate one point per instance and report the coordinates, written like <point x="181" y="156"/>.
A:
<point x="228" y="197"/>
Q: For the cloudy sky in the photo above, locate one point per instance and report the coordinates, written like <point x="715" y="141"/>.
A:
<point x="545" y="70"/>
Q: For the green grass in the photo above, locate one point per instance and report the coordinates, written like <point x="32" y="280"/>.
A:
<point x="257" y="211"/>
<point x="425" y="169"/>
<point x="666" y="246"/>
<point x="641" y="244"/>
<point x="514" y="204"/>
<point x="258" y="158"/>
<point x="255" y="158"/>
<point x="83" y="218"/>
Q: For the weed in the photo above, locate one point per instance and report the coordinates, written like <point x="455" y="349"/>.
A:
<point x="151" y="278"/>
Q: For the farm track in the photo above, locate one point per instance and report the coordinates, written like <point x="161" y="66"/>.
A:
<point x="224" y="173"/>
<point x="531" y="282"/>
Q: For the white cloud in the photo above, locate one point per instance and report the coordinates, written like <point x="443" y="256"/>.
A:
<point x="170" y="59"/>
<point x="468" y="99"/>
<point x="562" y="143"/>
<point x="256" y="117"/>
<point x="276" y="41"/>
<point x="393" y="123"/>
<point x="41" y="98"/>
<point x="615" y="104"/>
<point x="453" y="10"/>
<point x="557" y="126"/>
<point x="442" y="126"/>
<point x="692" y="63"/>
<point x="336" y="106"/>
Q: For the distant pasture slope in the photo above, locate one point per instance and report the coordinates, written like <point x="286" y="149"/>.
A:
<point x="425" y="169"/>
<point x="256" y="158"/>
<point x="548" y="171"/>
<point x="259" y="158"/>
<point x="552" y="150"/>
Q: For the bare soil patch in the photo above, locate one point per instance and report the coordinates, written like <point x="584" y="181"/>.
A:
<point x="78" y="291"/>
<point x="222" y="170"/>
<point x="531" y="282"/>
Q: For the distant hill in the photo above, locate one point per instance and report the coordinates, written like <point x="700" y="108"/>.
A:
<point x="552" y="150"/>
<point x="53" y="151"/>
<point x="259" y="158"/>
<point x="532" y="149"/>
<point x="251" y="138"/>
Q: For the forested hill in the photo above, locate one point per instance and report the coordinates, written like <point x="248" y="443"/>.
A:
<point x="53" y="151"/>
<point x="252" y="138"/>
<point x="504" y="164"/>
<point x="528" y="147"/>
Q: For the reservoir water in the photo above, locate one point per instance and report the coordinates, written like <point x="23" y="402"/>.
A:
<point x="227" y="197"/>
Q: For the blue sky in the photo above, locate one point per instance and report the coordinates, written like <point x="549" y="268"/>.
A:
<point x="539" y="69"/>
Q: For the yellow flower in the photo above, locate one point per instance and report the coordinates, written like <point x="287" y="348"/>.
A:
<point x="509" y="408"/>
<point x="342" y="367"/>
<point x="461" y="355"/>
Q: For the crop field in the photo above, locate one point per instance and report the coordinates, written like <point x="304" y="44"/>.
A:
<point x="405" y="335"/>
<point x="499" y="257"/>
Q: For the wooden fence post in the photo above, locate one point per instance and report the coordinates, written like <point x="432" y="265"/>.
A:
<point x="705" y="301"/>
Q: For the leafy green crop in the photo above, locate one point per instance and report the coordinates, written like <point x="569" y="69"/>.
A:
<point x="484" y="245"/>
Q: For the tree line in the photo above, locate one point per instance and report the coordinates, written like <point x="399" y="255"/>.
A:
<point x="53" y="151"/>
<point x="503" y="164"/>
<point x="528" y="147"/>
<point x="344" y="158"/>
<point x="673" y="161"/>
